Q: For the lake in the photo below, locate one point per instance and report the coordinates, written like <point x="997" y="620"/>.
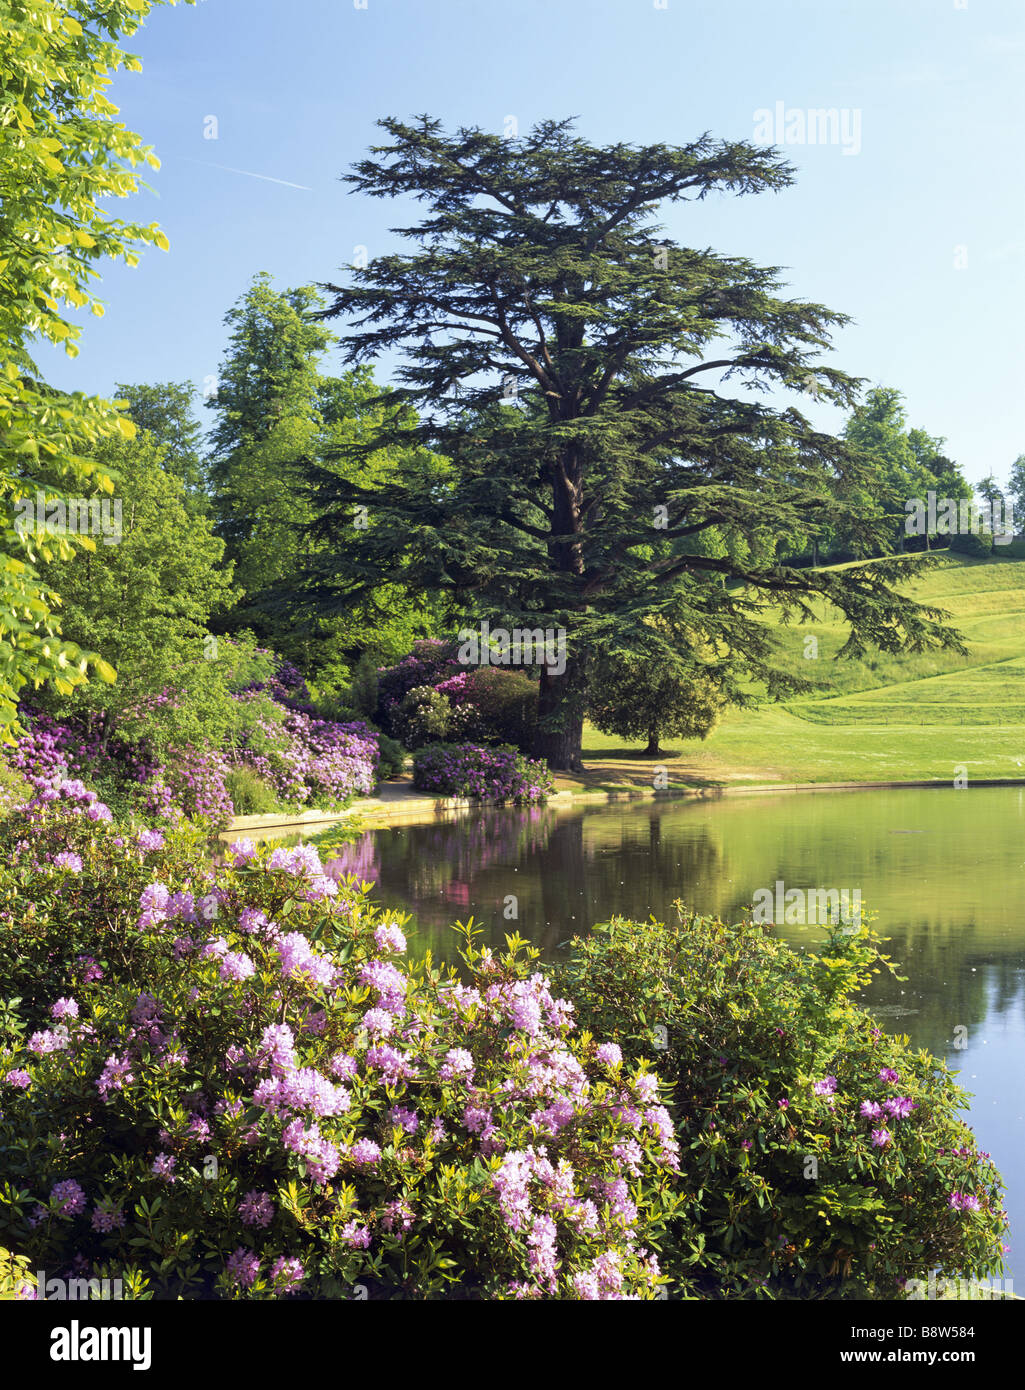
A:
<point x="943" y="868"/>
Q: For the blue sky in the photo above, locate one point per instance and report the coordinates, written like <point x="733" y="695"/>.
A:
<point x="918" y="234"/>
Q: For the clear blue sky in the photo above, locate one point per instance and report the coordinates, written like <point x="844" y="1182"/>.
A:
<point x="919" y="235"/>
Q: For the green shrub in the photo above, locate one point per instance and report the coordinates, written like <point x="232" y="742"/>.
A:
<point x="787" y="1194"/>
<point x="393" y="757"/>
<point x="17" y="1279"/>
<point x="493" y="705"/>
<point x="1013" y="550"/>
<point x="363" y="690"/>
<point x="978" y="545"/>
<point x="338" y="708"/>
<point x="14" y="790"/>
<point x="423" y="716"/>
<point x="250" y="794"/>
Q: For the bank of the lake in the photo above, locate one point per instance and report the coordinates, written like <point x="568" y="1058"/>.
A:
<point x="942" y="868"/>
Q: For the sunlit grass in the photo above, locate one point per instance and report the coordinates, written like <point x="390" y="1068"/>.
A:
<point x="885" y="718"/>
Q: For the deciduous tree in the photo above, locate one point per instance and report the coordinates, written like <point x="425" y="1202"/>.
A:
<point x="63" y="152"/>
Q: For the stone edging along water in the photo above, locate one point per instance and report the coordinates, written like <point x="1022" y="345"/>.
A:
<point x="413" y="809"/>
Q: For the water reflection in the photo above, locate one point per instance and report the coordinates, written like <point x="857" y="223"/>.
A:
<point x="944" y="869"/>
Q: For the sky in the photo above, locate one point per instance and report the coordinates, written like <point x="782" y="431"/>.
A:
<point x="910" y="219"/>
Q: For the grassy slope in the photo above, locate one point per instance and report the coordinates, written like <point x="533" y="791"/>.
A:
<point x="885" y="718"/>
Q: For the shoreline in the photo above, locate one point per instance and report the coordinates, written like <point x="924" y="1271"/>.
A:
<point x="404" y="807"/>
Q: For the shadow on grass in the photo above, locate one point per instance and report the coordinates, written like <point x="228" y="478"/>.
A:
<point x="631" y="755"/>
<point x="616" y="769"/>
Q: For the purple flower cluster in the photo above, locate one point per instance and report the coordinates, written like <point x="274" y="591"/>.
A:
<point x="893" y="1108"/>
<point x="963" y="1201"/>
<point x="107" y="1216"/>
<point x="305" y="759"/>
<point x="68" y="1198"/>
<point x="481" y="774"/>
<point x="256" y="1209"/>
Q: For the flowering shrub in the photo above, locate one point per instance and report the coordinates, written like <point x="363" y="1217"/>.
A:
<point x="483" y="774"/>
<point x="305" y="760"/>
<point x="424" y="715"/>
<point x="821" y="1156"/>
<point x="430" y="661"/>
<point x="229" y="1082"/>
<point x="496" y="706"/>
<point x="190" y="782"/>
<point x="431" y="695"/>
<point x="285" y="685"/>
<point x="310" y="761"/>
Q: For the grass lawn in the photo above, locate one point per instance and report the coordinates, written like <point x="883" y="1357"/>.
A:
<point x="887" y="718"/>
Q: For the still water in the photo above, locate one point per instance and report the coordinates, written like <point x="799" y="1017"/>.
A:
<point x="943" y="868"/>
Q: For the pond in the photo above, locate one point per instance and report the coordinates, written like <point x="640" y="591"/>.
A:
<point x="943" y="868"/>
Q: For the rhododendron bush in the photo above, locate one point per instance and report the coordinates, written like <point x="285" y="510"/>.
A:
<point x="311" y="761"/>
<point x="432" y="660"/>
<point x="481" y="774"/>
<point x="230" y="1081"/>
<point x="431" y="694"/>
<point x="304" y="760"/>
<point x="822" y="1157"/>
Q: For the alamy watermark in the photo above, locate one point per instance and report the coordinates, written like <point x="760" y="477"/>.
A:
<point x="78" y="1343"/>
<point x="783" y="125"/>
<point x="523" y="646"/>
<point x="957" y="1288"/>
<point x="76" y="516"/>
<point x="783" y="906"/>
<point x="70" y="1290"/>
<point x="950" y="516"/>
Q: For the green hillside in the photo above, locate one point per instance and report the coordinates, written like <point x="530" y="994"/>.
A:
<point x="884" y="718"/>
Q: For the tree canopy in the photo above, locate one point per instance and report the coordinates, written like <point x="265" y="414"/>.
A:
<point x="62" y="153"/>
<point x="145" y="601"/>
<point x="165" y="410"/>
<point x="275" y="406"/>
<point x="571" y="365"/>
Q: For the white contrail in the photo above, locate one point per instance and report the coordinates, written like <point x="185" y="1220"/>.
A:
<point x="249" y="174"/>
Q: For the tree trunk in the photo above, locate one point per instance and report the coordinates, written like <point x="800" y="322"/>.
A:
<point x="561" y="699"/>
<point x="653" y="750"/>
<point x="560" y="722"/>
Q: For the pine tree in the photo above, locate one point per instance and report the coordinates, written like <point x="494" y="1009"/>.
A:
<point x="567" y="361"/>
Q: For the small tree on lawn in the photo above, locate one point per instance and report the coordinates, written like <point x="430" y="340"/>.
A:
<point x="653" y="700"/>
